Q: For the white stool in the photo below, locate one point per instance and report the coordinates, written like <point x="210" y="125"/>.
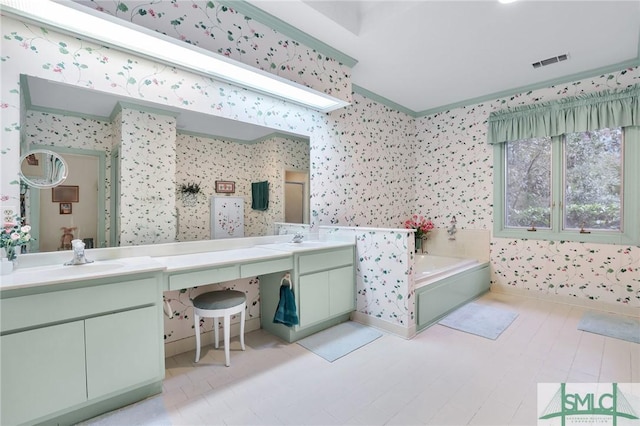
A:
<point x="216" y="304"/>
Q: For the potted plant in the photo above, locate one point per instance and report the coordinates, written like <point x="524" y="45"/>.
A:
<point x="189" y="192"/>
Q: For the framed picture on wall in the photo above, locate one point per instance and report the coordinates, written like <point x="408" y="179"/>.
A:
<point x="65" y="208"/>
<point x="65" y="194"/>
<point x="225" y="187"/>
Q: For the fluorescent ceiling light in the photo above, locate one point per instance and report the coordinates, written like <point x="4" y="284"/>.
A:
<point x="83" y="22"/>
<point x="507" y="1"/>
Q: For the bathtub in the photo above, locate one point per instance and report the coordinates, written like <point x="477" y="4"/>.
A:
<point x="442" y="284"/>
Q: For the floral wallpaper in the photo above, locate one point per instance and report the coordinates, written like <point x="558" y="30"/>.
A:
<point x="242" y="163"/>
<point x="456" y="178"/>
<point x="385" y="285"/>
<point x="370" y="165"/>
<point x="147" y="178"/>
<point x="219" y="28"/>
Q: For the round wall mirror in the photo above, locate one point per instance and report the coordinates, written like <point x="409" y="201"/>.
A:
<point x="42" y="168"/>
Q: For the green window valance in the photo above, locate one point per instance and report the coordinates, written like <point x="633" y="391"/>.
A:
<point x="611" y="108"/>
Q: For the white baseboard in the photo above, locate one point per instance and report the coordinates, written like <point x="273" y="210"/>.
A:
<point x="404" y="332"/>
<point x="189" y="343"/>
<point x="595" y="305"/>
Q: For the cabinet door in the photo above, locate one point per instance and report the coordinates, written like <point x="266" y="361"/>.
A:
<point x="123" y="349"/>
<point x="342" y="291"/>
<point x="42" y="372"/>
<point x="313" y="298"/>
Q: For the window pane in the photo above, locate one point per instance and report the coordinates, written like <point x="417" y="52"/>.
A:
<point x="528" y="183"/>
<point x="593" y="179"/>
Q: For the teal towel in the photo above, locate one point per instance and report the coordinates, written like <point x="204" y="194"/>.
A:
<point x="286" y="313"/>
<point x="260" y="195"/>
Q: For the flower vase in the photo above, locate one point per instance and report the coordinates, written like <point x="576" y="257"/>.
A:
<point x="6" y="262"/>
<point x="418" y="244"/>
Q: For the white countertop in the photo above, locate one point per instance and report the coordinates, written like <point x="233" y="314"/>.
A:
<point x="218" y="258"/>
<point x="58" y="274"/>
<point x="33" y="276"/>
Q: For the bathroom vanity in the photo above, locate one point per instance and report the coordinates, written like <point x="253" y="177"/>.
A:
<point x="78" y="341"/>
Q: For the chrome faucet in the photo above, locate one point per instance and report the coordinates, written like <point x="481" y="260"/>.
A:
<point x="78" y="254"/>
<point x="297" y="238"/>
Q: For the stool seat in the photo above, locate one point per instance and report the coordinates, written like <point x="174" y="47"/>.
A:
<point x="216" y="304"/>
<point x="224" y="299"/>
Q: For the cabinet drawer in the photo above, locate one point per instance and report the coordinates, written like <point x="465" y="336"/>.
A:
<point x="325" y="260"/>
<point x="45" y="308"/>
<point x="266" y="267"/>
<point x="204" y="277"/>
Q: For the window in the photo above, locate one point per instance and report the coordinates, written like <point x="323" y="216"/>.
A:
<point x="579" y="186"/>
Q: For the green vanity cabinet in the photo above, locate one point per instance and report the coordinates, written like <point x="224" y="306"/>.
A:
<point x="74" y="350"/>
<point x="31" y="386"/>
<point x="324" y="289"/>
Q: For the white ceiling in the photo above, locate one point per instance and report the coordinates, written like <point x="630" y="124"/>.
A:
<point x="426" y="55"/>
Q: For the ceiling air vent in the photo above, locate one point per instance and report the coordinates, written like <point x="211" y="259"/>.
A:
<point x="550" y="61"/>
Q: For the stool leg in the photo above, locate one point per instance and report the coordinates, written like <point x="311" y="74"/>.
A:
<point x="242" y="314"/>
<point x="196" y="320"/>
<point x="216" y="333"/>
<point x="227" y="332"/>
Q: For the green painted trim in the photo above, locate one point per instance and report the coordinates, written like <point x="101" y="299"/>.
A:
<point x="281" y="135"/>
<point x="523" y="89"/>
<point x="209" y="136"/>
<point x="68" y="113"/>
<point x="101" y="178"/>
<point x="34" y="209"/>
<point x="145" y="108"/>
<point x="241" y="141"/>
<point x="288" y="30"/>
<point x="115" y="199"/>
<point x="382" y="100"/>
<point x="24" y="87"/>
<point x="631" y="200"/>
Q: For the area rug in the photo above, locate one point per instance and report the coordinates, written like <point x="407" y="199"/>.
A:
<point x="610" y="325"/>
<point x="339" y="340"/>
<point x="482" y="320"/>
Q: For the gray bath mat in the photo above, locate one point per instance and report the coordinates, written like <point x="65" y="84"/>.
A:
<point x="482" y="320"/>
<point x="339" y="340"/>
<point x="616" y="326"/>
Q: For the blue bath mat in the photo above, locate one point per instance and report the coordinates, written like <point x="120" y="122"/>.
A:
<point x="339" y="340"/>
<point x="482" y="320"/>
<point x="610" y="325"/>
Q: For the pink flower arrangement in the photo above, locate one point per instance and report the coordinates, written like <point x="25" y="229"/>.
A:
<point x="420" y="224"/>
<point x="14" y="234"/>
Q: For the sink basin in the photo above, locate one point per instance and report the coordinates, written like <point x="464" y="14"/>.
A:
<point x="90" y="268"/>
<point x="308" y="244"/>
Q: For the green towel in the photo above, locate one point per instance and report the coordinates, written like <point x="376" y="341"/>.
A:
<point x="260" y="195"/>
<point x="286" y="313"/>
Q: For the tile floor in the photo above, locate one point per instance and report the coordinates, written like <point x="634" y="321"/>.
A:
<point x="440" y="377"/>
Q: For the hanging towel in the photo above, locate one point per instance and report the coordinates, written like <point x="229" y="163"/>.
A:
<point x="260" y="195"/>
<point x="286" y="313"/>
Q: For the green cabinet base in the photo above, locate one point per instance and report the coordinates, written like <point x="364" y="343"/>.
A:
<point x="104" y="405"/>
<point x="436" y="300"/>
<point x="269" y="298"/>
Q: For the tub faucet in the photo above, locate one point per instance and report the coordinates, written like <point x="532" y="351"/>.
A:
<point x="78" y="254"/>
<point x="297" y="238"/>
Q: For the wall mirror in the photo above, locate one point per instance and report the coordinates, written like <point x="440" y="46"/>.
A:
<point x="41" y="168"/>
<point x="71" y="121"/>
